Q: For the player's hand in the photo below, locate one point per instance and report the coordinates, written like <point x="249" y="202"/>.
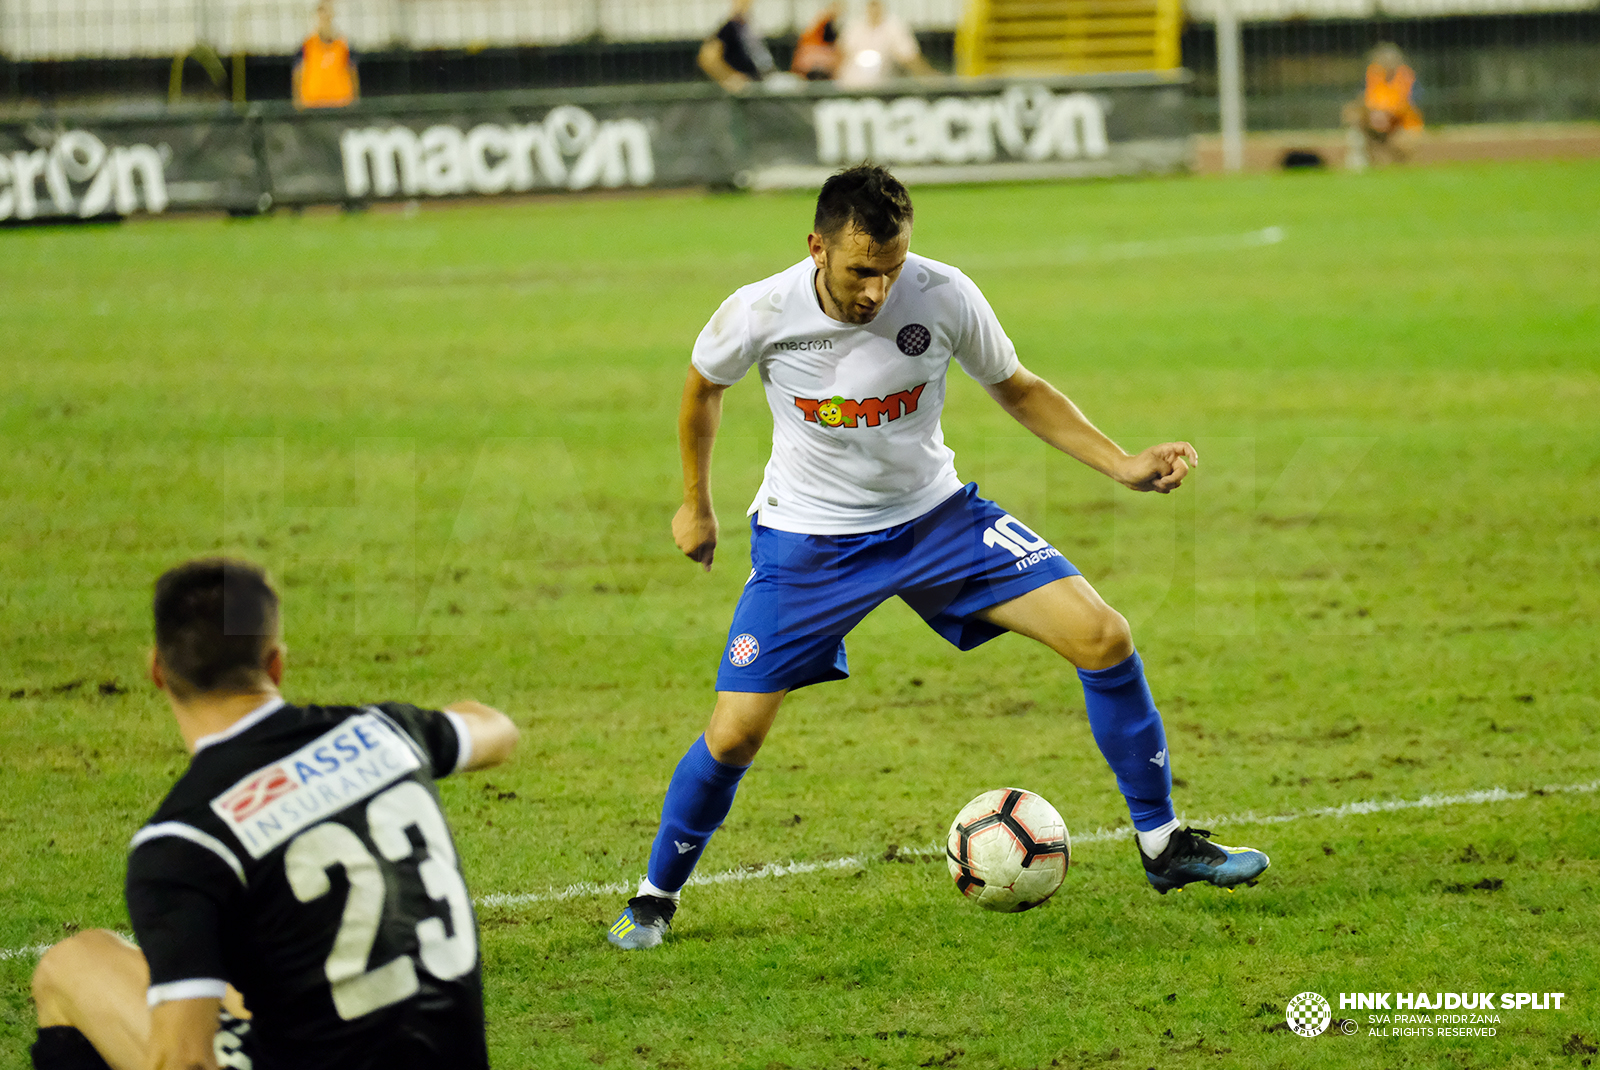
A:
<point x="695" y="532"/>
<point x="1159" y="468"/>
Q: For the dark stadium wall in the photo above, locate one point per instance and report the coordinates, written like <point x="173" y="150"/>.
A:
<point x="1471" y="69"/>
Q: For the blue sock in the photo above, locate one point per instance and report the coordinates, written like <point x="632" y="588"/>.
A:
<point x="698" y="798"/>
<point x="1127" y="726"/>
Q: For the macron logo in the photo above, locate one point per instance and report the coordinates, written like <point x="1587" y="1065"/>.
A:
<point x="1160" y="759"/>
<point x="683" y="848"/>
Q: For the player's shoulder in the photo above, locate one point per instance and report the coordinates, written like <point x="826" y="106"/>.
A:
<point x="249" y="758"/>
<point x="222" y="757"/>
<point x="772" y="293"/>
<point x="934" y="283"/>
<point x="258" y="786"/>
<point x="759" y="307"/>
<point x="931" y="273"/>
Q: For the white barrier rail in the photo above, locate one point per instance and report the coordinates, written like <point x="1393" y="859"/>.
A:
<point x="62" y="29"/>
<point x="73" y="29"/>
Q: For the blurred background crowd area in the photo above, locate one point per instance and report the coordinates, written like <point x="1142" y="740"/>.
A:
<point x="1476" y="60"/>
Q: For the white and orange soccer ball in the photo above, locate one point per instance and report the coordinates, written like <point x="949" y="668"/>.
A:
<point x="1008" y="850"/>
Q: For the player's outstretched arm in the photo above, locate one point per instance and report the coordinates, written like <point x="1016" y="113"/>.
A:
<point x="694" y="528"/>
<point x="493" y="734"/>
<point x="1051" y="415"/>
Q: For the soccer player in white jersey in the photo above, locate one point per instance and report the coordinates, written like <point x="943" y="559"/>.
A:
<point x="861" y="503"/>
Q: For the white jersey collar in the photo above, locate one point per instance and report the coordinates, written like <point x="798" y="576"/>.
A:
<point x="249" y="720"/>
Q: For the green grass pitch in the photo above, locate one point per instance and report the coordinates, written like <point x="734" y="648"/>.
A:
<point x="451" y="437"/>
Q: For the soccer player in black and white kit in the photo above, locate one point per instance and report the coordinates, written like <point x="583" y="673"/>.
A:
<point x="302" y="862"/>
<point x="861" y="503"/>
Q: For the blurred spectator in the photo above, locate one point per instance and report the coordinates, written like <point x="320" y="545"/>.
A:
<point x="816" y="55"/>
<point x="325" y="72"/>
<point x="1385" y="119"/>
<point x="735" y="56"/>
<point x="877" y="46"/>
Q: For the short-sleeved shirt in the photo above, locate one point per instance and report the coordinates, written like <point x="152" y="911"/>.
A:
<point x="868" y="53"/>
<point x="856" y="440"/>
<point x="304" y="859"/>
<point x="743" y="50"/>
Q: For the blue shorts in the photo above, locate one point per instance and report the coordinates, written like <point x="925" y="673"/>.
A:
<point x="807" y="591"/>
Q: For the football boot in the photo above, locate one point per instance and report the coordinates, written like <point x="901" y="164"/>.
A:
<point x="643" y="922"/>
<point x="1191" y="856"/>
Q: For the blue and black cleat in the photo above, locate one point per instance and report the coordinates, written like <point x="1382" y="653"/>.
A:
<point x="1191" y="856"/>
<point x="643" y="922"/>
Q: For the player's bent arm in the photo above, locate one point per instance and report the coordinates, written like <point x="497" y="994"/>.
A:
<point x="183" y="1034"/>
<point x="694" y="529"/>
<point x="717" y="68"/>
<point x="1051" y="415"/>
<point x="492" y="734"/>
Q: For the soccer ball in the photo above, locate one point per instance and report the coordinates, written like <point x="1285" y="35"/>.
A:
<point x="1008" y="850"/>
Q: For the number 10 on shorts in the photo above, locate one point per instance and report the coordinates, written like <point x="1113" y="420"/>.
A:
<point x="1011" y="534"/>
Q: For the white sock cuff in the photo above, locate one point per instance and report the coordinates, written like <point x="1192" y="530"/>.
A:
<point x="1155" y="841"/>
<point x="646" y="888"/>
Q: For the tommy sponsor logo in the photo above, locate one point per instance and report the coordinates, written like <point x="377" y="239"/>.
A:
<point x="343" y="766"/>
<point x="743" y="650"/>
<point x="804" y="344"/>
<point x="844" y="412"/>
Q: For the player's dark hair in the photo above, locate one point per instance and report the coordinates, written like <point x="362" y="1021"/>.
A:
<point x="216" y="619"/>
<point x="867" y="196"/>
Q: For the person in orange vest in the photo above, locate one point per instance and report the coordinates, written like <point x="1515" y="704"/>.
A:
<point x="1385" y="119"/>
<point x="325" y="73"/>
<point x="816" y="54"/>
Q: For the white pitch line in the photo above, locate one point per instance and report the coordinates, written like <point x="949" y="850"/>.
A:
<point x="1131" y="250"/>
<point x="1100" y="835"/>
<point x="585" y="889"/>
<point x="32" y="951"/>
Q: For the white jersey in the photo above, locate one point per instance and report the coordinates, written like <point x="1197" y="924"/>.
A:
<point x="856" y="441"/>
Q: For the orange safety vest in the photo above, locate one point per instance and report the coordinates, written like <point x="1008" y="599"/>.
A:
<point x="814" y="52"/>
<point x="1393" y="94"/>
<point x="325" y="79"/>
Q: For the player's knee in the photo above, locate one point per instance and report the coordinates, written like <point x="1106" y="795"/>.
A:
<point x="52" y="978"/>
<point x="74" y="956"/>
<point x="1105" y="640"/>
<point x="80" y="960"/>
<point x="734" y="744"/>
